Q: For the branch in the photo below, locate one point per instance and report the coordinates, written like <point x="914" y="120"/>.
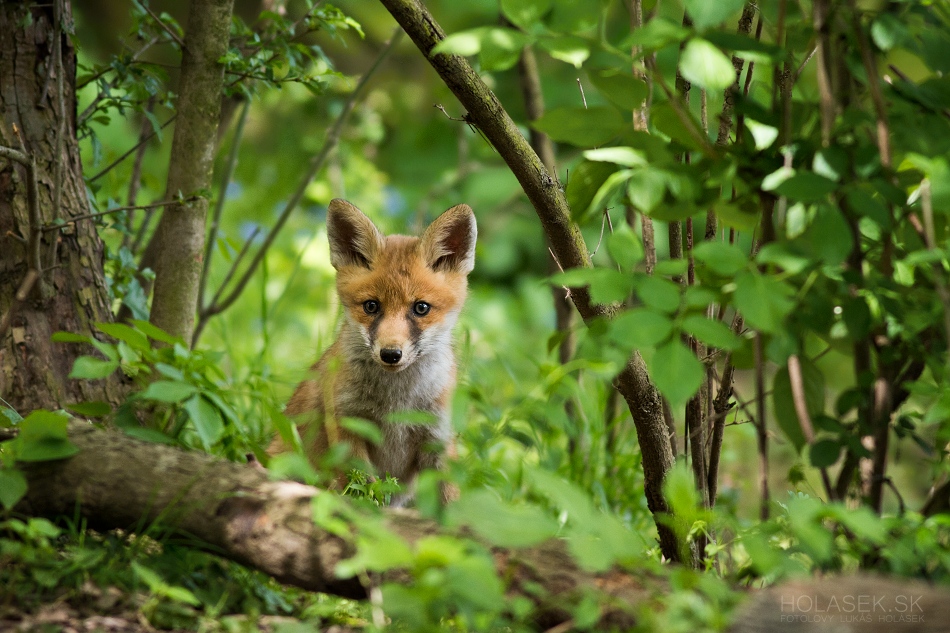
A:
<point x="564" y="236"/>
<point x="121" y="158"/>
<point x="801" y="410"/>
<point x="21" y="294"/>
<point x="219" y="203"/>
<point x="316" y="164"/>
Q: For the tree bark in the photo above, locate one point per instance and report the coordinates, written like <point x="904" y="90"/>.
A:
<point x="176" y="250"/>
<point x="38" y="119"/>
<point x="567" y="243"/>
<point x="239" y="513"/>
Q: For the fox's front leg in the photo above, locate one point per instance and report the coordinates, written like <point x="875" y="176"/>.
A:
<point x="435" y="456"/>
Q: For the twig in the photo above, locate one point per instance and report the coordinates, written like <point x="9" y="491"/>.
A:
<point x="162" y="24"/>
<point x="134" y="147"/>
<point x="219" y="203"/>
<point x="801" y="410"/>
<point x="580" y="87"/>
<point x="21" y="294"/>
<point x="32" y="195"/>
<point x="825" y="98"/>
<point x="877" y="98"/>
<point x="930" y="238"/>
<point x="87" y="216"/>
<point x="801" y="67"/>
<point x="761" y="434"/>
<point x="135" y="180"/>
<point x="316" y="164"/>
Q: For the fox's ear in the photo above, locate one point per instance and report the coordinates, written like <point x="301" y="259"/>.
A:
<point x="354" y="239"/>
<point x="449" y="242"/>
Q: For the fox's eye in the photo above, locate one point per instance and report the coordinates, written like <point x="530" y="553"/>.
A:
<point x="371" y="306"/>
<point x="421" y="308"/>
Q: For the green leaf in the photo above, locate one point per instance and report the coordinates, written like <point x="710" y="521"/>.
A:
<point x="168" y="391"/>
<point x="606" y="285"/>
<point x="625" y="247"/>
<point x="658" y="33"/>
<point x="43" y="437"/>
<point x="704" y="65"/>
<point x="677" y="372"/>
<point x="475" y="581"/>
<point x="824" y="453"/>
<point x="94" y="409"/>
<point x="661" y="294"/>
<point x="806" y="186"/>
<point x="585" y="181"/>
<point x="206" y="418"/>
<point x="156" y="333"/>
<point x="763" y="302"/>
<point x="711" y="332"/>
<point x="763" y="135"/>
<point x="525" y="13"/>
<point x="92" y="368"/>
<point x="625" y="156"/>
<point x="501" y="48"/>
<point x="608" y="192"/>
<point x="720" y="257"/>
<point x="828" y="237"/>
<point x="620" y="88"/>
<point x="646" y="189"/>
<point x="465" y="43"/>
<point x="640" y="328"/>
<point x="500" y="523"/>
<point x="584" y="127"/>
<point x="12" y="487"/>
<point x="705" y="13"/>
<point x="735" y="217"/>
<point x="364" y="429"/>
<point x="136" y="339"/>
<point x="567" y="48"/>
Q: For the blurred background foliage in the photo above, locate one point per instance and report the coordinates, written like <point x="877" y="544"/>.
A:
<point x="403" y="160"/>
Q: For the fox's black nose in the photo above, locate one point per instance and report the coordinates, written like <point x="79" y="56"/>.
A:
<point x="390" y="356"/>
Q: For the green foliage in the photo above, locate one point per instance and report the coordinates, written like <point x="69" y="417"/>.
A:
<point x="184" y="396"/>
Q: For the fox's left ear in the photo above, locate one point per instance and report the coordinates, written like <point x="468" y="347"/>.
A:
<point x="449" y="243"/>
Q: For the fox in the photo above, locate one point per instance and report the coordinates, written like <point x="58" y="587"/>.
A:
<point x="401" y="297"/>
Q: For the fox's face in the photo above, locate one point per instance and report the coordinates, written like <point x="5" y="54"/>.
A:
<point x="403" y="293"/>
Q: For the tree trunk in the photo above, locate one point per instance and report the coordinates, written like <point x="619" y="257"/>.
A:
<point x="176" y="250"/>
<point x="38" y="119"/>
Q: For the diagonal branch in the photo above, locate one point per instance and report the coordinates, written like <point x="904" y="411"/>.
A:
<point x="567" y="243"/>
<point x="316" y="164"/>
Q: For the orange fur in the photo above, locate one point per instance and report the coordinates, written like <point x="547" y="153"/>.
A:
<point x="391" y="354"/>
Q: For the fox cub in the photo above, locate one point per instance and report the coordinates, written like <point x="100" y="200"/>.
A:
<point x="401" y="298"/>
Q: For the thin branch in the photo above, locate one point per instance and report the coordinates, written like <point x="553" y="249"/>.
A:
<point x="87" y="216"/>
<point x="877" y="97"/>
<point x="135" y="180"/>
<point x="930" y="237"/>
<point x="316" y="164"/>
<point x="761" y="434"/>
<point x="162" y="24"/>
<point x="219" y="203"/>
<point x="801" y="410"/>
<point x="141" y="142"/>
<point x="825" y="97"/>
<point x="21" y="294"/>
<point x="33" y="205"/>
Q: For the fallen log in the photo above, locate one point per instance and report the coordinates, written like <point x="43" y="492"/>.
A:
<point x="236" y="511"/>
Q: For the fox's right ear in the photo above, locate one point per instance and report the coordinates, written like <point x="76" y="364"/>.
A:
<point x="354" y="239"/>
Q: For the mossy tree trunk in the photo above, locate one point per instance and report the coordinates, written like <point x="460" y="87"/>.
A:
<point x="38" y="120"/>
